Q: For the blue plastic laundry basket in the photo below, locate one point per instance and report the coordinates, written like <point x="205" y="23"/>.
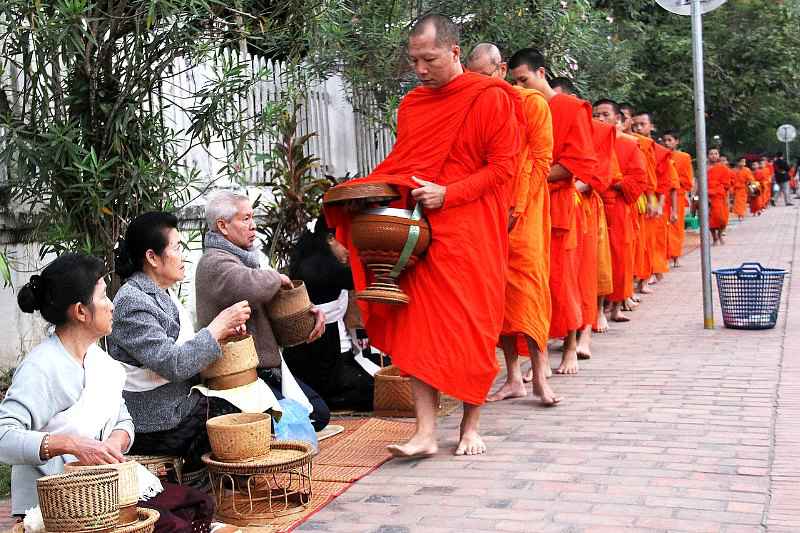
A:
<point x="750" y="295"/>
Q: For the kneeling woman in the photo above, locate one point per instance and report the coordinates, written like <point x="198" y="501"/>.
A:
<point x="66" y="396"/>
<point x="333" y="365"/>
<point x="163" y="356"/>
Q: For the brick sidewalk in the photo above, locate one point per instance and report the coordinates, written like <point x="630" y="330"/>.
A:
<point x="669" y="427"/>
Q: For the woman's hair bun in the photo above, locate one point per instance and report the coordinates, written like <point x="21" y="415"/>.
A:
<point x="123" y="262"/>
<point x="29" y="298"/>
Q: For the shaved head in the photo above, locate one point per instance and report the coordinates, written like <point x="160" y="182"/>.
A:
<point x="563" y="85"/>
<point x="485" y="50"/>
<point x="447" y="33"/>
<point x="486" y="59"/>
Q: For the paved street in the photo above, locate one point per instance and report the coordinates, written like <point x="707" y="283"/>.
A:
<point x="668" y="428"/>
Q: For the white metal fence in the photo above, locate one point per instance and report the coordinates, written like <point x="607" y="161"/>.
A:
<point x="345" y="142"/>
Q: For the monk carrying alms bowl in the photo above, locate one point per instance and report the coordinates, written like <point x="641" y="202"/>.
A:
<point x="388" y="240"/>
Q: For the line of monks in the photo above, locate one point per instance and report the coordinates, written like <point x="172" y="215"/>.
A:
<point x="548" y="215"/>
<point x="617" y="202"/>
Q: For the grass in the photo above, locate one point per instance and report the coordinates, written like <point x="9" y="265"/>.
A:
<point x="5" y="481"/>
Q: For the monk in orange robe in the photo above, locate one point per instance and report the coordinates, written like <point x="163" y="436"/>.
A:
<point x="638" y="211"/>
<point x="620" y="201"/>
<point x="590" y="208"/>
<point x="573" y="158"/>
<point x="455" y="158"/>
<point x="757" y="200"/>
<point x="527" y="309"/>
<point x="728" y="184"/>
<point x="665" y="198"/>
<point x="643" y="266"/>
<point x="740" y="190"/>
<point x="683" y="165"/>
<point x="589" y="216"/>
<point x="718" y="176"/>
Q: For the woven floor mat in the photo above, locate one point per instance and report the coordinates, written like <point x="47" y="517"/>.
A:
<point x="342" y="460"/>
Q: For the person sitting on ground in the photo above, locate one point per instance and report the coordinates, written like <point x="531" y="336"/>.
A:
<point x="333" y="364"/>
<point x="155" y="340"/>
<point x="229" y="271"/>
<point x="65" y="402"/>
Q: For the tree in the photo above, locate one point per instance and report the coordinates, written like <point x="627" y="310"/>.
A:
<point x="83" y="86"/>
<point x="577" y="39"/>
<point x="751" y="69"/>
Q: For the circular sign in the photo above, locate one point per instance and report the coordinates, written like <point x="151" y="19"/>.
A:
<point x="684" y="7"/>
<point x="786" y="133"/>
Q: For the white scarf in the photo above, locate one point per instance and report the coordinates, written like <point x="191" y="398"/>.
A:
<point x="95" y="413"/>
<point x="335" y="312"/>
<point x="140" y="379"/>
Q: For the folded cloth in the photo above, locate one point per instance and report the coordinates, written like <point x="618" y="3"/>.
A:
<point x="255" y="397"/>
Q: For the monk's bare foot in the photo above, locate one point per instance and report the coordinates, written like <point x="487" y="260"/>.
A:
<point x="569" y="363"/>
<point x="548" y="372"/>
<point x="721" y="241"/>
<point x="602" y="323"/>
<point x="584" y="353"/>
<point x="619" y="317"/>
<point x="546" y="396"/>
<point x="635" y="299"/>
<point x="515" y="389"/>
<point x="470" y="444"/>
<point x="675" y="263"/>
<point x="419" y="447"/>
<point x="644" y="290"/>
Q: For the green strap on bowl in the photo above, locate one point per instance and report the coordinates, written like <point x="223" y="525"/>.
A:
<point x="411" y="243"/>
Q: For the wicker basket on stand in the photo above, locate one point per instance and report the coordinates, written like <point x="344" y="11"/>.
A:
<point x="290" y="315"/>
<point x="128" y="486"/>
<point x="239" y="437"/>
<point x="393" y="396"/>
<point x="86" y="500"/>
<point x="145" y="523"/>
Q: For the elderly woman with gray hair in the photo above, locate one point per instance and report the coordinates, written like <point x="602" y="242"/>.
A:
<point x="230" y="271"/>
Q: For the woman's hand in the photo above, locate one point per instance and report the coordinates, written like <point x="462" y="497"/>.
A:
<point x="120" y="439"/>
<point x="230" y="321"/>
<point x="319" y="325"/>
<point x="88" y="451"/>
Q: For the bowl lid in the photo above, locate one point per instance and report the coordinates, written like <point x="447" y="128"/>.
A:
<point x="377" y="192"/>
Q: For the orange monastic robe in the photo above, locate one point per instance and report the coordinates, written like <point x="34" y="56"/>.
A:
<point x="603" y="138"/>
<point x="573" y="149"/>
<point x="643" y="254"/>
<point x="677" y="231"/>
<point x="528" y="283"/>
<point x="743" y="176"/>
<point x="718" y="196"/>
<point x="620" y="202"/>
<point x="757" y="201"/>
<point x="451" y="135"/>
<point x="667" y="182"/>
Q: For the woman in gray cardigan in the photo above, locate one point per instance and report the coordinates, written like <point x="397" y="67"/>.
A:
<point x="163" y="360"/>
<point x="65" y="400"/>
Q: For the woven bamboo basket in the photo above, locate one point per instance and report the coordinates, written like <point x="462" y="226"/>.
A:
<point x="86" y="500"/>
<point x="289" y="301"/>
<point x="128" y="486"/>
<point x="239" y="437"/>
<point x="239" y="357"/>
<point x="393" y="396"/>
<point x="290" y="315"/>
<point x="145" y="523"/>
